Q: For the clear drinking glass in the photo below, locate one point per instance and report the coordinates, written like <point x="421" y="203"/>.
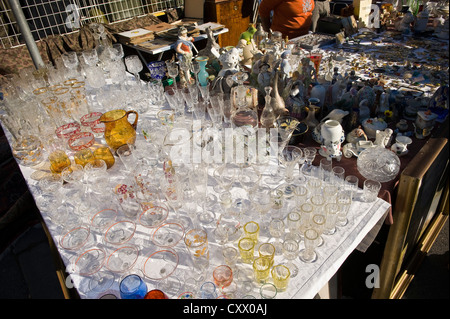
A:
<point x="331" y="215"/>
<point x="325" y="168"/>
<point x="268" y="291"/>
<point x="344" y="200"/>
<point x="196" y="241"/>
<point x="351" y="183"/>
<point x="276" y="230"/>
<point x="371" y="189"/>
<point x="308" y="254"/>
<point x="290" y="252"/>
<point x="338" y="176"/>
<point x="318" y="223"/>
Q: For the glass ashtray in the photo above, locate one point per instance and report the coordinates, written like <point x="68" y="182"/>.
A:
<point x="160" y="264"/>
<point x="153" y="215"/>
<point x="81" y="141"/>
<point x="90" y="261"/>
<point x="168" y="235"/>
<point x="120" y="232"/>
<point x="122" y="259"/>
<point x="75" y="238"/>
<point x="378" y="164"/>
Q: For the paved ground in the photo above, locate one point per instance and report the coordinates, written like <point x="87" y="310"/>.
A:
<point x="27" y="270"/>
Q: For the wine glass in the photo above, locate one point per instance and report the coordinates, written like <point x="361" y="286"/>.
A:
<point x="262" y="201"/>
<point x="70" y="60"/>
<point x="134" y="66"/>
<point x="172" y="70"/>
<point x="289" y="157"/>
<point x="90" y="57"/>
<point x="310" y="154"/>
<point x="195" y="68"/>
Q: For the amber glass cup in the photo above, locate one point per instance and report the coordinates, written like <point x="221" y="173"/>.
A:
<point x="58" y="161"/>
<point x="104" y="153"/>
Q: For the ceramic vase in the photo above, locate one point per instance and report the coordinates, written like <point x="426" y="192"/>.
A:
<point x="332" y="136"/>
<point x="202" y="74"/>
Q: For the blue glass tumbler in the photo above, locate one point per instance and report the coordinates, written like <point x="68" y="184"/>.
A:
<point x="132" y="287"/>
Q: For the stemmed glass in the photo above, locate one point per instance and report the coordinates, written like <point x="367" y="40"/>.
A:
<point x="134" y="66"/>
<point x="70" y="60"/>
<point x="172" y="70"/>
<point x="262" y="201"/>
<point x="198" y="180"/>
<point x="289" y="157"/>
<point x="310" y="154"/>
<point x="195" y="68"/>
<point x="176" y="101"/>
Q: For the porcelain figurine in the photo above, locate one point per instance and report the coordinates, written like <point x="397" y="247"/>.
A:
<point x="184" y="45"/>
<point x="383" y="138"/>
<point x="230" y="61"/>
<point x="212" y="48"/>
<point x="356" y="135"/>
<point x="248" y="34"/>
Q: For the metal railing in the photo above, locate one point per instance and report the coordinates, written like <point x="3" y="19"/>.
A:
<point x="52" y="17"/>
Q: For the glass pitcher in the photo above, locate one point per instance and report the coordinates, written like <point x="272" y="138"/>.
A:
<point x="118" y="130"/>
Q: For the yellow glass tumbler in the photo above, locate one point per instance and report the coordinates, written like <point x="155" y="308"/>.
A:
<point x="261" y="269"/>
<point x="246" y="249"/>
<point x="280" y="276"/>
<point x="251" y="230"/>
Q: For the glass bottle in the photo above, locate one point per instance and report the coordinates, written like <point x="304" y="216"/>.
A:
<point x="259" y="36"/>
<point x="243" y="116"/>
<point x="268" y="116"/>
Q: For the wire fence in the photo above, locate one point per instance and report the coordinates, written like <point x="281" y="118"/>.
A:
<point x="52" y="17"/>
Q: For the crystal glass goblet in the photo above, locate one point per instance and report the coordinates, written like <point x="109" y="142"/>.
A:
<point x="172" y="70"/>
<point x="134" y="66"/>
<point x="310" y="154"/>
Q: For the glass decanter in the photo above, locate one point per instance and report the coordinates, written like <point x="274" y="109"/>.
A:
<point x="243" y="116"/>
<point x="268" y="116"/>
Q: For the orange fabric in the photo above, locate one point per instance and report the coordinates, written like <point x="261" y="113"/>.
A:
<point x="290" y="17"/>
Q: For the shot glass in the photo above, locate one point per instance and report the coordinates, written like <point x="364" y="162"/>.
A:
<point x="230" y="256"/>
<point x="280" y="275"/>
<point x="268" y="291"/>
<point x="267" y="250"/>
<point x="246" y="249"/>
<point x="251" y="230"/>
<point x="132" y="287"/>
<point x="371" y="189"/>
<point x="314" y="186"/>
<point x="83" y="157"/>
<point x="261" y="269"/>
<point x="223" y="276"/>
